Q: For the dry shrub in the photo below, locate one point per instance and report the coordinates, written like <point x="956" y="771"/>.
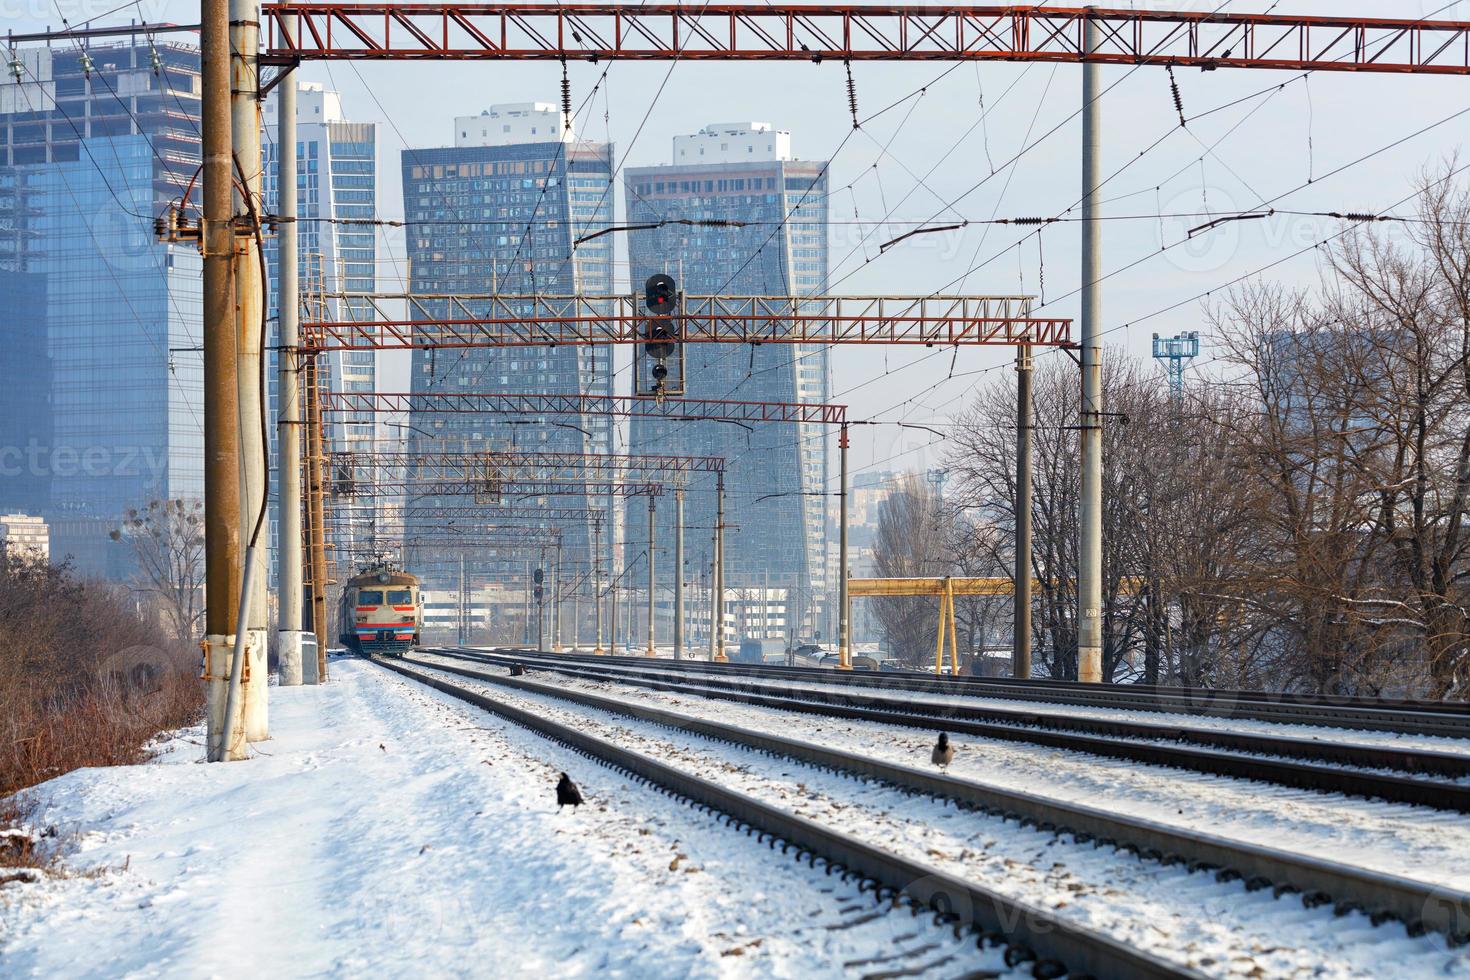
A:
<point x="83" y="681"/>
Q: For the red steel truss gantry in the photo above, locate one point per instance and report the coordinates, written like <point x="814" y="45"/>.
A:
<point x="399" y="321"/>
<point x="516" y="466"/>
<point x="858" y="32"/>
<point x="682" y="409"/>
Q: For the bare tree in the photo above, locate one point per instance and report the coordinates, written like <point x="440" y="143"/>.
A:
<point x="167" y="538"/>
<point x="910" y="543"/>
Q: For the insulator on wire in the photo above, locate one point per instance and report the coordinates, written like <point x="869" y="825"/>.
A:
<point x="566" y="100"/>
<point x="1174" y="88"/>
<point x="851" y="94"/>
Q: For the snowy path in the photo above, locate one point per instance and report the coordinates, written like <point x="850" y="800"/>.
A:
<point x="388" y="831"/>
<point x="1416" y="842"/>
<point x="1217" y="928"/>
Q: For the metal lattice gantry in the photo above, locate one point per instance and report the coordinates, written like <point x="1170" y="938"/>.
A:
<point x="1204" y="39"/>
<point x="682" y="409"/>
<point x="400" y="321"/>
<point x="513" y="466"/>
<point x="499" y="492"/>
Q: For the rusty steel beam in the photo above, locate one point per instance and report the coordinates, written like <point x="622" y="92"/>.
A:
<point x="420" y="512"/>
<point x="809" y="33"/>
<point x="504" y="491"/>
<point x="680" y="409"/>
<point x="403" y="321"/>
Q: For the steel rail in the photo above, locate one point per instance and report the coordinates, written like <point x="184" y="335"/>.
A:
<point x="964" y="904"/>
<point x="1438" y="718"/>
<point x="1227" y="758"/>
<point x="1416" y="903"/>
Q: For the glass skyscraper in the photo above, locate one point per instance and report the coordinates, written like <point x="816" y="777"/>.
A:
<point x="776" y="474"/>
<point x="498" y="213"/>
<point x="94" y="144"/>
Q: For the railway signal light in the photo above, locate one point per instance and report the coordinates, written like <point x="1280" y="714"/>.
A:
<point x="538" y="592"/>
<point x="538" y="577"/>
<point x="661" y="300"/>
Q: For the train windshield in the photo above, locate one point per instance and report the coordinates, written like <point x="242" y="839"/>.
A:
<point x="399" y="597"/>
<point x="370" y="597"/>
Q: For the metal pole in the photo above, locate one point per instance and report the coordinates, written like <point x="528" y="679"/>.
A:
<point x="461" y="616"/>
<point x="651" y="651"/>
<point x="678" y="573"/>
<point x="541" y="608"/>
<point x="316" y="451"/>
<point x="597" y="586"/>
<point x="288" y="391"/>
<point x="1089" y="550"/>
<point x="719" y="603"/>
<point x="1021" y="617"/>
<point x="612" y="619"/>
<point x="556" y="600"/>
<point x="844" y="640"/>
<point x="526" y="608"/>
<point x="222" y="554"/>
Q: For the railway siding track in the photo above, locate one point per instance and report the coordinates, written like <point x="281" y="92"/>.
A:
<point x="1440" y="718"/>
<point x="1057" y="946"/>
<point x="1264" y="765"/>
<point x="1419" y="905"/>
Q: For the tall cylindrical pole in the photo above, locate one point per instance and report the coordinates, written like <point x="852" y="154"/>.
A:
<point x="1021" y="617"/>
<point x="1089" y="550"/>
<point x="597" y="586"/>
<point x="844" y="638"/>
<point x="719" y="603"/>
<point x="463" y="609"/>
<point x="612" y="618"/>
<point x="526" y="608"/>
<point x="288" y="391"/>
<point x="651" y="651"/>
<point x="250" y="344"/>
<point x="316" y="461"/>
<point x="679" y="574"/>
<point x="222" y="551"/>
<point x="556" y="600"/>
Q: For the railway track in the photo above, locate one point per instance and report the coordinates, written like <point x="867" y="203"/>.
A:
<point x="1262" y="758"/>
<point x="1053" y="944"/>
<point x="1437" y="718"/>
<point x="1384" y="898"/>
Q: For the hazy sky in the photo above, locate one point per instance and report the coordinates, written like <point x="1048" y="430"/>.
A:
<point x="1321" y="143"/>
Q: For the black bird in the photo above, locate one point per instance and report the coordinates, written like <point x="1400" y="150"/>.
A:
<point x="567" y="794"/>
<point x="517" y="670"/>
<point x="943" y="753"/>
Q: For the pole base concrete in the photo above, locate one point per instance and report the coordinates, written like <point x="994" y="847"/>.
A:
<point x="256" y="688"/>
<point x="288" y="648"/>
<point x="218" y="652"/>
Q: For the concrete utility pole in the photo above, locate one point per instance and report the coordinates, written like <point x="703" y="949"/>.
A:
<point x="597" y="585"/>
<point x="678" y="573"/>
<point x="222" y="553"/>
<point x="719" y="604"/>
<point x="1089" y="550"/>
<point x="288" y="384"/>
<point x="316" y="514"/>
<point x="1021" y="616"/>
<point x="250" y="345"/>
<point x="651" y="651"/>
<point x="844" y="639"/>
<point x="556" y="601"/>
<point x="612" y="619"/>
<point x="526" y="608"/>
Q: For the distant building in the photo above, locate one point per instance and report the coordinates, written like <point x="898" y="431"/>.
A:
<point x="336" y="178"/>
<point x="778" y="474"/>
<point x="94" y="143"/>
<point x="498" y="213"/>
<point x="23" y="534"/>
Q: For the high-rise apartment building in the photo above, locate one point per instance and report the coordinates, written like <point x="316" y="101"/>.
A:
<point x="336" y="201"/>
<point x="498" y="212"/>
<point x="777" y="474"/>
<point x="94" y="143"/>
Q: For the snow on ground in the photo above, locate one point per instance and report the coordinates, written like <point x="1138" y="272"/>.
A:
<point x="1415" y="842"/>
<point x="1217" y="928"/>
<point x="387" y="831"/>
<point x="1165" y="720"/>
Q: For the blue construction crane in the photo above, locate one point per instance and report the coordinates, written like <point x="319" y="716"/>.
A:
<point x="1178" y="350"/>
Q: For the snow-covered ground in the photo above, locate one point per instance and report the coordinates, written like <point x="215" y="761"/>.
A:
<point x="1415" y="842"/>
<point x="385" y="830"/>
<point x="1217" y="928"/>
<point x="1166" y="721"/>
